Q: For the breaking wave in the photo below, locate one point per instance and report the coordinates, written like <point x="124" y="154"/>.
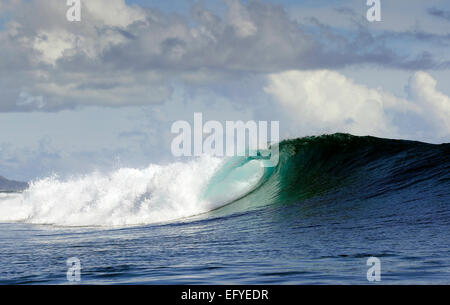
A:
<point x="345" y="166"/>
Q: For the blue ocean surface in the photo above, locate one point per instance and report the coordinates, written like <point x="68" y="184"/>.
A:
<point x="330" y="204"/>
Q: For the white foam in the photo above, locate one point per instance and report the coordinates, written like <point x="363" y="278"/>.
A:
<point x="124" y="197"/>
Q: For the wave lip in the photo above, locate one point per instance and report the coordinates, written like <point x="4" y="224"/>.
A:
<point x="349" y="168"/>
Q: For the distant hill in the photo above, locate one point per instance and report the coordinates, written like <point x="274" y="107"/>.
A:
<point x="11" y="186"/>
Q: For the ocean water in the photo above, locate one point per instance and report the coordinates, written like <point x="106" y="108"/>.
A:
<point x="330" y="204"/>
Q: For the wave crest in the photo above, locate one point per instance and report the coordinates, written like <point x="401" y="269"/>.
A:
<point x="124" y="197"/>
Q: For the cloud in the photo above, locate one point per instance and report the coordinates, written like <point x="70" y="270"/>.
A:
<point x="99" y="138"/>
<point x="439" y="13"/>
<point x="122" y="54"/>
<point x="114" y="12"/>
<point x="46" y="57"/>
<point x="435" y="105"/>
<point x="26" y="100"/>
<point x="239" y="18"/>
<point x="327" y="101"/>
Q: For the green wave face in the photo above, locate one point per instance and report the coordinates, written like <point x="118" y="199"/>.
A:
<point x="344" y="165"/>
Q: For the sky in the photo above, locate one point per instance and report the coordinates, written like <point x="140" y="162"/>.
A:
<point x="102" y="93"/>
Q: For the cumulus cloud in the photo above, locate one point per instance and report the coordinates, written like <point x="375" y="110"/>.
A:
<point x="327" y="101"/>
<point x="122" y="54"/>
<point x="435" y="105"/>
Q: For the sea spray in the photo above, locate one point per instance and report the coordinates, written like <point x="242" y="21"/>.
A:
<point x="124" y="197"/>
